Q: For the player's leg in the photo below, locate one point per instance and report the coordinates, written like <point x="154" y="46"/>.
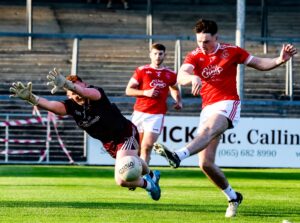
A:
<point x="149" y="127"/>
<point x="208" y="166"/>
<point x="213" y="122"/>
<point x="147" y="144"/>
<point x="146" y="181"/>
<point x="215" y="125"/>
<point x="141" y="137"/>
<point x="123" y="183"/>
<point x="145" y="153"/>
<point x="138" y="118"/>
<point x="230" y="110"/>
<point x="130" y="147"/>
<point x="216" y="175"/>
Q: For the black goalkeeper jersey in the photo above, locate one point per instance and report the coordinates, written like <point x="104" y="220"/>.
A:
<point x="101" y="119"/>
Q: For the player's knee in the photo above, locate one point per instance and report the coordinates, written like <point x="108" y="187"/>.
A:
<point x="147" y="147"/>
<point x="205" y="131"/>
<point x="205" y="166"/>
<point x="146" y="152"/>
<point x="207" y="134"/>
<point x="120" y="182"/>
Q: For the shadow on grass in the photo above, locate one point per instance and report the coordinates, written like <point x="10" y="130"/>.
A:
<point x="108" y="172"/>
<point x="203" y="207"/>
<point x="56" y="171"/>
<point x="141" y="207"/>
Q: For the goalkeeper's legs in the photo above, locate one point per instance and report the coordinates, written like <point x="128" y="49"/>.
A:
<point x="149" y="181"/>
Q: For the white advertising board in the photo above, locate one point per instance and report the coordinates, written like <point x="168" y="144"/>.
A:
<point x="255" y="142"/>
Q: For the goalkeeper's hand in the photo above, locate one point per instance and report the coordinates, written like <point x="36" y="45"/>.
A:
<point x="58" y="81"/>
<point x="24" y="92"/>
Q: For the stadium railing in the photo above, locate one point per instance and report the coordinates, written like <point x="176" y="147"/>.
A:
<point x="36" y="139"/>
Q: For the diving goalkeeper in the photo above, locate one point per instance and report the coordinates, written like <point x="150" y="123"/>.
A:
<point x="95" y="114"/>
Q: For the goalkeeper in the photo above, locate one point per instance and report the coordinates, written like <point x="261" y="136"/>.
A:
<point x="93" y="112"/>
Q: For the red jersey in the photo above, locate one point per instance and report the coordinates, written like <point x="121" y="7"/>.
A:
<point x="218" y="71"/>
<point x="149" y="77"/>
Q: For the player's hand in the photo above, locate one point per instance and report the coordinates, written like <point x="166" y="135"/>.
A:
<point x="196" y="85"/>
<point x="151" y="93"/>
<point x="287" y="51"/>
<point x="58" y="81"/>
<point x="24" y="92"/>
<point x="178" y="105"/>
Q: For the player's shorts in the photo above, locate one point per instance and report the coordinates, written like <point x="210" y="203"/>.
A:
<point x="148" y="122"/>
<point x="229" y="108"/>
<point x="129" y="141"/>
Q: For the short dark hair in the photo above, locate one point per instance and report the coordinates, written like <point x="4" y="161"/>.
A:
<point x="158" y="46"/>
<point x="73" y="78"/>
<point x="206" y="26"/>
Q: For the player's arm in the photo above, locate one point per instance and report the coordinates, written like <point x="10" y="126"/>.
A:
<point x="265" y="64"/>
<point x="56" y="107"/>
<point x="58" y="81"/>
<point x="185" y="76"/>
<point x="24" y="92"/>
<point x="176" y="95"/>
<point x="132" y="89"/>
<point x="87" y="92"/>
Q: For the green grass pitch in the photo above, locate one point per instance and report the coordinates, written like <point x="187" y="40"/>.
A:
<point x="89" y="194"/>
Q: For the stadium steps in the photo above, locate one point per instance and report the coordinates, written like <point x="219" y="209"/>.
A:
<point x="118" y="57"/>
<point x="107" y="55"/>
<point x="110" y="63"/>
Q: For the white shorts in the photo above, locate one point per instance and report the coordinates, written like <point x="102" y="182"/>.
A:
<point x="148" y="122"/>
<point x="229" y="108"/>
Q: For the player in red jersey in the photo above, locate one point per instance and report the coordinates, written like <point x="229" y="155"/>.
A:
<point x="211" y="70"/>
<point x="93" y="112"/>
<point x="150" y="84"/>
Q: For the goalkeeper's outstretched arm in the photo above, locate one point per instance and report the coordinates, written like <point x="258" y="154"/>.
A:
<point x="77" y="90"/>
<point x="24" y="92"/>
<point x="58" y="81"/>
<point x="56" y="107"/>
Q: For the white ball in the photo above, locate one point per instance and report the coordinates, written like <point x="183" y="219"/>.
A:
<point x="129" y="168"/>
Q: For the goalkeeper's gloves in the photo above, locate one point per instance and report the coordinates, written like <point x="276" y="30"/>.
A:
<point x="24" y="92"/>
<point x="58" y="81"/>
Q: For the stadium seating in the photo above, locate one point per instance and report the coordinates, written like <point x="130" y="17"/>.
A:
<point x="110" y="63"/>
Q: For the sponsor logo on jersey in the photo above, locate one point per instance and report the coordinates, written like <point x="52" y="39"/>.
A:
<point x="78" y="112"/>
<point x="158" y="83"/>
<point x="211" y="71"/>
<point x="88" y="123"/>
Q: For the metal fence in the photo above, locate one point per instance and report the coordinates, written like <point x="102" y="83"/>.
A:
<point x="38" y="139"/>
